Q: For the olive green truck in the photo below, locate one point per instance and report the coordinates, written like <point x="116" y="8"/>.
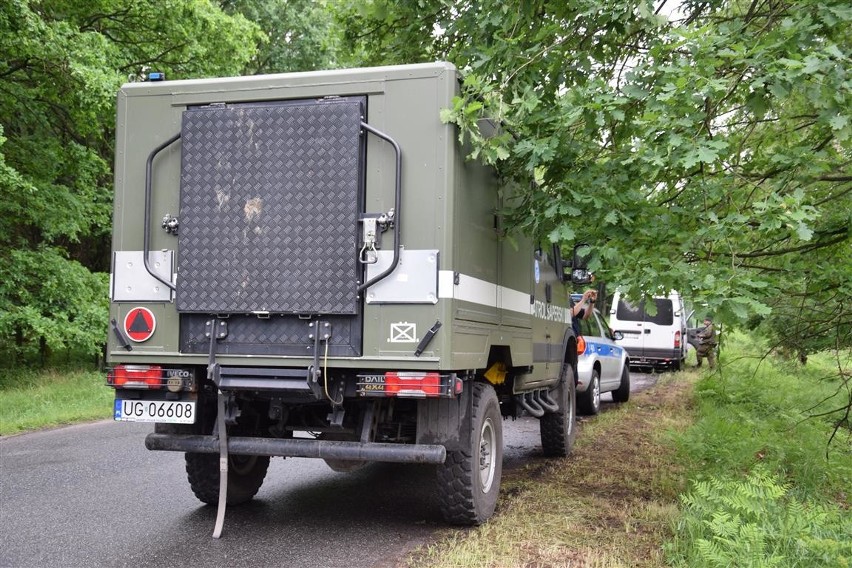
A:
<point x="307" y="265"/>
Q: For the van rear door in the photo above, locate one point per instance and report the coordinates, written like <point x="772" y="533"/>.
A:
<point x="630" y="321"/>
<point x="646" y="335"/>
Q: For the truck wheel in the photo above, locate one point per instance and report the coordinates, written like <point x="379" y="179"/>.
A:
<point x="469" y="480"/>
<point x="245" y="476"/>
<point x="589" y="402"/>
<point x="559" y="429"/>
<point x="622" y="393"/>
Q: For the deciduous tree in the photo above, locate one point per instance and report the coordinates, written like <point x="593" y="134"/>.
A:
<point x="705" y="149"/>
<point x="61" y="64"/>
<point x="703" y="146"/>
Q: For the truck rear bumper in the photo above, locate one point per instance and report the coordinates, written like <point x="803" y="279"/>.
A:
<point x="325" y="449"/>
<point x="651" y="356"/>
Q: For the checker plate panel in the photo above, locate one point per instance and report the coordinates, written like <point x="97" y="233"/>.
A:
<point x="269" y="207"/>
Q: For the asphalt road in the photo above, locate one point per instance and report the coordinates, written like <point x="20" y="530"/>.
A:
<point x="92" y="495"/>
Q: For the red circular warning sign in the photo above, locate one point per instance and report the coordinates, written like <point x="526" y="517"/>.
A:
<point x="139" y="324"/>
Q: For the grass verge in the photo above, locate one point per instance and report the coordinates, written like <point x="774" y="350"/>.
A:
<point x="611" y="504"/>
<point x="725" y="468"/>
<point x="766" y="487"/>
<point x="30" y="400"/>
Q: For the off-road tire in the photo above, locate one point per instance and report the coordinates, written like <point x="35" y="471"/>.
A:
<point x="559" y="429"/>
<point x="622" y="393"/>
<point x="589" y="402"/>
<point x="464" y="497"/>
<point x="245" y="476"/>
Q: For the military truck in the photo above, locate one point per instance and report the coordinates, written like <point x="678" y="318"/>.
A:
<point x="307" y="265"/>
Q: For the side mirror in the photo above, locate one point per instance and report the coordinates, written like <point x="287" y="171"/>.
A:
<point x="579" y="264"/>
<point x="617" y="335"/>
<point x="581" y="276"/>
<point x="582" y="254"/>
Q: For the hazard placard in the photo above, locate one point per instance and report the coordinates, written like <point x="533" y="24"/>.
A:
<point x="139" y="324"/>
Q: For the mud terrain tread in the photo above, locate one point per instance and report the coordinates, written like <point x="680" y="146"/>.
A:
<point x="202" y="471"/>
<point x="622" y="393"/>
<point x="557" y="440"/>
<point x="456" y="484"/>
<point x="455" y="495"/>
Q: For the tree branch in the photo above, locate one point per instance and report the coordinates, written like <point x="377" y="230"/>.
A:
<point x="15" y="66"/>
<point x="843" y="234"/>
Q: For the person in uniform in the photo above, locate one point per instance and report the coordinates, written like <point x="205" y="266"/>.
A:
<point x="707" y="343"/>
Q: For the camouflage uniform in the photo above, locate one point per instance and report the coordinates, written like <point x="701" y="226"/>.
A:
<point x="707" y="344"/>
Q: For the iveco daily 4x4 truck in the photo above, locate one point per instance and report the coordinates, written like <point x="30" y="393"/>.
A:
<point x="306" y="265"/>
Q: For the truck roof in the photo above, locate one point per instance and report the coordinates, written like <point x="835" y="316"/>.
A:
<point x="305" y="78"/>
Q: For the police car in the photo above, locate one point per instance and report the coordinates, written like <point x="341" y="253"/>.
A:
<point x="602" y="364"/>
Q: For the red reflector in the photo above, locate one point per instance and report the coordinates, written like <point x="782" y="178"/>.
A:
<point x="429" y="384"/>
<point x="677" y="339"/>
<point x="143" y="376"/>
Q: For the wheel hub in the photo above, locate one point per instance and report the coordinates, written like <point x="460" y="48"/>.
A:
<point x="487" y="465"/>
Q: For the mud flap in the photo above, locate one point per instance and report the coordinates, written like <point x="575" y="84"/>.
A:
<point x="219" y="330"/>
<point x="222" y="432"/>
<point x="439" y="420"/>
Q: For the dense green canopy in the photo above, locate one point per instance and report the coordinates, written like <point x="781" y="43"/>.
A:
<point x="703" y="146"/>
<point x="706" y="150"/>
<point x="61" y="64"/>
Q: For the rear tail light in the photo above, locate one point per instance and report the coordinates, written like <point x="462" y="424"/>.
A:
<point x="136" y="376"/>
<point x="677" y="339"/>
<point x="429" y="384"/>
<point x="410" y="385"/>
<point x="581" y="345"/>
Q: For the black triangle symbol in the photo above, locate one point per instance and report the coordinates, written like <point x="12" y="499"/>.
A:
<point x="139" y="324"/>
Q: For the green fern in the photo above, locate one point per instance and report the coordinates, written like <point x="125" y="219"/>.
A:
<point x="754" y="523"/>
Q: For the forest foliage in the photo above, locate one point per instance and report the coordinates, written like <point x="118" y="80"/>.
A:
<point x="702" y="145"/>
<point x="61" y="65"/>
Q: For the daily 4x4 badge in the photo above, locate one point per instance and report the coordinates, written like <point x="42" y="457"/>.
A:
<point x="139" y="324"/>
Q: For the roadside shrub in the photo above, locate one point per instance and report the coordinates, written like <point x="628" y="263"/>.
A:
<point x="49" y="304"/>
<point x="767" y="487"/>
<point x="756" y="523"/>
<point x="759" y="411"/>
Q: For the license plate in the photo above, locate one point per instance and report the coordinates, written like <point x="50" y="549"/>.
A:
<point x="168" y="411"/>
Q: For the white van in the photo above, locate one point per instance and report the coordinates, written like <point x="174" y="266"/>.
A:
<point x="656" y="341"/>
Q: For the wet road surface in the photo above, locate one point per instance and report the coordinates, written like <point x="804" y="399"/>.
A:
<point x="92" y="495"/>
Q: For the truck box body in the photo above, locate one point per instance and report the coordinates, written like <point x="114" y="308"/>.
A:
<point x="272" y="248"/>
